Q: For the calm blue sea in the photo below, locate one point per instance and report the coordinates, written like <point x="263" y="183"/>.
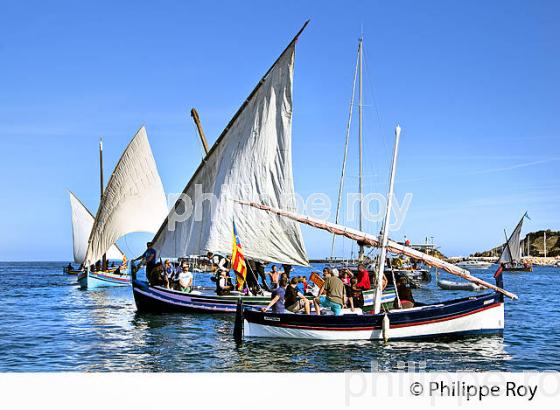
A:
<point x="48" y="324"/>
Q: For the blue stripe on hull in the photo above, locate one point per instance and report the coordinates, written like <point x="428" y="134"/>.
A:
<point x="90" y="281"/>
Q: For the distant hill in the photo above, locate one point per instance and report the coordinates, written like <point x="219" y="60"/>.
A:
<point x="536" y="245"/>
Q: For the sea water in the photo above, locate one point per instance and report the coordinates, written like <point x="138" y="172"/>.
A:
<point x="48" y="324"/>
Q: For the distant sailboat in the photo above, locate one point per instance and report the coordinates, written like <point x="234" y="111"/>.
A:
<point x="510" y="259"/>
<point x="133" y="201"/>
<point x="82" y="222"/>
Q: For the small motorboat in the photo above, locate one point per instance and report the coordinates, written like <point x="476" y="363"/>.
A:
<point x="474" y="264"/>
<point x="455" y="285"/>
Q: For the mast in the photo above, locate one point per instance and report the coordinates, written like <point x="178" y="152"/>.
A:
<point x="509" y="247"/>
<point x="101" y="189"/>
<point x="528" y="248"/>
<point x="544" y="244"/>
<point x="196" y="119"/>
<point x="385" y="231"/>
<point x="360" y="56"/>
<point x="341" y="186"/>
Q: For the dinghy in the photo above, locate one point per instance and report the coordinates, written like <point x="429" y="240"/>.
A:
<point x="474" y="315"/>
<point x="454" y="285"/>
<point x="133" y="201"/>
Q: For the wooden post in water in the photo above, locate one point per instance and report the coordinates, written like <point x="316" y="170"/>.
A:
<point x="196" y="118"/>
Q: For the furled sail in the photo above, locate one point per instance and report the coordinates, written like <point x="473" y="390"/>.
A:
<point x="250" y="159"/>
<point x="82" y="222"/>
<point x="512" y="249"/>
<point x="371" y="240"/>
<point x="133" y="201"/>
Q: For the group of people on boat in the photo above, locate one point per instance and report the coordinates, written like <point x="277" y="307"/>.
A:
<point x="336" y="291"/>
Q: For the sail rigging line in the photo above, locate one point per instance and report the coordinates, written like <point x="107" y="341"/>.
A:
<point x="360" y="143"/>
<point x="348" y="126"/>
<point x="230" y="123"/>
<point x="370" y="240"/>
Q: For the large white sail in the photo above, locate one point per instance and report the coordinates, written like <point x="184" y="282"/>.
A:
<point x="512" y="249"/>
<point x="251" y="159"/>
<point x="82" y="222"/>
<point x="133" y="201"/>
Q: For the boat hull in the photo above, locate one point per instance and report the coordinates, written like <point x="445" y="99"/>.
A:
<point x="469" y="316"/>
<point x="94" y="280"/>
<point x="156" y="299"/>
<point x="72" y="271"/>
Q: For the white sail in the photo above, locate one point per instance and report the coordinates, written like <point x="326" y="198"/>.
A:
<point x="82" y="222"/>
<point x="251" y="159"/>
<point x="133" y="201"/>
<point x="512" y="249"/>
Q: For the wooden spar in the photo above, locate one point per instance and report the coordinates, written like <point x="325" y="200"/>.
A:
<point x="230" y="123"/>
<point x="385" y="233"/>
<point x="370" y="240"/>
<point x="349" y="123"/>
<point x="196" y="118"/>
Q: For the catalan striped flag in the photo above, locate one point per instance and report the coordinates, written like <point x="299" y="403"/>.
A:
<point x="238" y="260"/>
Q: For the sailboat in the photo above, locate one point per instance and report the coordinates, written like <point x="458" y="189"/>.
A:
<point x="481" y="314"/>
<point x="510" y="259"/>
<point x="251" y="158"/>
<point x="82" y="222"/>
<point x="133" y="201"/>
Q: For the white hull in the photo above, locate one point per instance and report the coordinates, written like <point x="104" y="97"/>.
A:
<point x="490" y="320"/>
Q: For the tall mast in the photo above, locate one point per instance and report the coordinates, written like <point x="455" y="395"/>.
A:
<point x="341" y="186"/>
<point x="544" y="243"/>
<point x="385" y="231"/>
<point x="360" y="55"/>
<point x="101" y="186"/>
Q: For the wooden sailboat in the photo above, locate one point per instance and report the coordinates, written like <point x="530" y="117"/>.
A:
<point x="133" y="201"/>
<point x="251" y="158"/>
<point x="482" y="314"/>
<point x="510" y="259"/>
<point x="82" y="222"/>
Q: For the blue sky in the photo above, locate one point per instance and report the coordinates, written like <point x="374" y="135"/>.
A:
<point x="474" y="86"/>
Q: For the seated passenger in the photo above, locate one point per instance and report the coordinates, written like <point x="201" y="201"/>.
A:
<point x="185" y="279"/>
<point x="294" y="300"/>
<point x="405" y="295"/>
<point x="278" y="295"/>
<point x="156" y="277"/>
<point x="222" y="285"/>
<point x="356" y="295"/>
<point x="169" y="274"/>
